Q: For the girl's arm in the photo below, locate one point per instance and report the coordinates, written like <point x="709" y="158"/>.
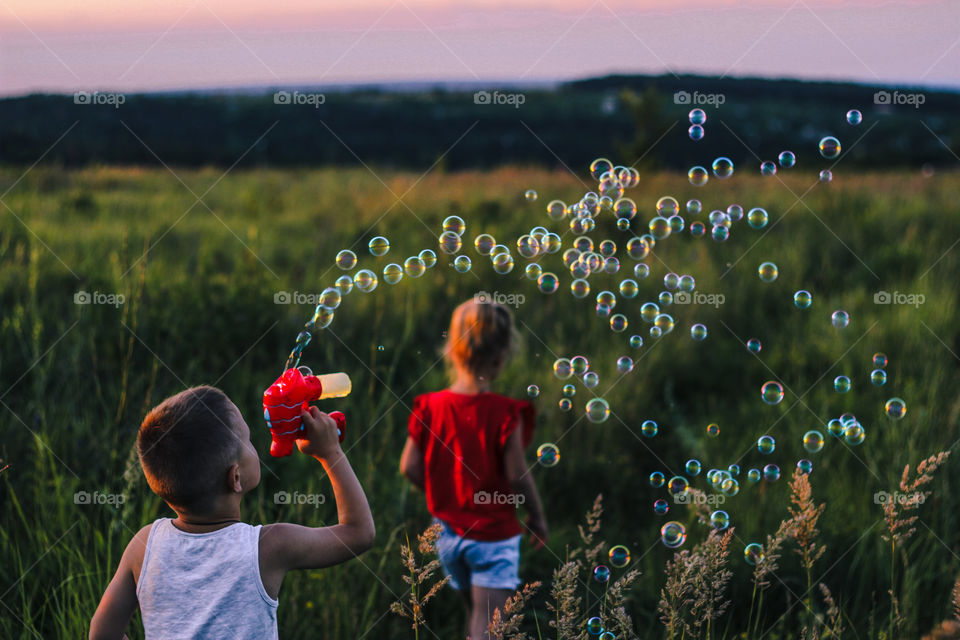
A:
<point x="411" y="464"/>
<point x="515" y="467"/>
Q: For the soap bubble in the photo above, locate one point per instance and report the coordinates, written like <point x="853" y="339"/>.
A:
<point x="562" y="368"/>
<point x="528" y="246"/>
<point x="548" y="454"/>
<point x="624" y="364"/>
<point x="625" y="208"/>
<point x="802" y="299"/>
<point x="757" y="218"/>
<point x="673" y="534"/>
<point x="659" y="227"/>
<point x="720" y="520"/>
<point x="428" y="257"/>
<point x="638" y="248"/>
<point x="414" y="266"/>
<point x="771" y="392"/>
<point x="880" y="360"/>
<point x="664" y="322"/>
<point x="840" y="319"/>
<point x="594" y="626"/>
<point x="720" y="233"/>
<point x="628" y="288"/>
<point x="722" y="167"/>
<point x="665" y="298"/>
<point x="768" y="168"/>
<point x="896" y="408"/>
<point x="533" y="271"/>
<point x="365" y="280"/>
<point x="754" y="345"/>
<point x="804" y="466"/>
<point x="580" y="365"/>
<point x="557" y="210"/>
<point x="713" y="429"/>
<point x="829" y="147"/>
<point x="841" y="384"/>
<point x="346" y="259"/>
<point x="854" y="117"/>
<point x="322" y="316"/>
<point x="735" y="212"/>
<point x="530" y="195"/>
<point x="657" y="479"/>
<point x="667" y="206"/>
<point x="484" y="244"/>
<point x="330" y="297"/>
<point x="392" y="273"/>
<point x="636" y="341"/>
<point x="598" y="410"/>
<point x="533" y="391"/>
<point x="661" y="507"/>
<point x="826" y="175"/>
<point x="835" y="427"/>
<point x="698" y="332"/>
<point x="619" y="556"/>
<point x="462" y="263"/>
<point x="611" y="265"/>
<point x="771" y="473"/>
<point x="768" y="272"/>
<point x="623" y="224"/>
<point x="754" y="475"/>
<point x="753" y="553"/>
<point x="565" y="404"/>
<point x="697" y="229"/>
<point x="698" y="176"/>
<point x="649" y="311"/>
<point x="766" y="444"/>
<point x="649" y="428"/>
<point x="591" y="379"/>
<point x="344" y="284"/>
<point x="599" y="167"/>
<point x="813" y="441"/>
<point x="678" y="485"/>
<point x="697" y="116"/>
<point x="454" y="224"/>
<point x="601" y="573"/>
<point x="878" y="377"/>
<point x="695" y="132"/>
<point x="580" y="288"/>
<point x="379" y="246"/>
<point x="693" y="467"/>
<point x="641" y="270"/>
<point x="503" y="264"/>
<point x="450" y="242"/>
<point x="854" y="434"/>
<point x="787" y="159"/>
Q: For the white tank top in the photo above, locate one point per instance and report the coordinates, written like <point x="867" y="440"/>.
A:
<point x="204" y="585"/>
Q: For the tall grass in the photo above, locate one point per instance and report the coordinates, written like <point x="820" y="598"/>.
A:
<point x="75" y="380"/>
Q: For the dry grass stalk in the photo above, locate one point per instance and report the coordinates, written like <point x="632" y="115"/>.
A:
<point x="804" y="514"/>
<point x="834" y="627"/>
<point x="619" y="621"/>
<point x="591" y="553"/>
<point x="711" y="579"/>
<point x="956" y="599"/>
<point x="895" y="512"/>
<point x="419" y="574"/>
<point x="505" y="624"/>
<point x="566" y="602"/>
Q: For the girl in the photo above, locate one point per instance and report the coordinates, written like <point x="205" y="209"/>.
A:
<point x="465" y="451"/>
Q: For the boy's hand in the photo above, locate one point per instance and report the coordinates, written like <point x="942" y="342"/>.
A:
<point x="320" y="438"/>
<point x="538" y="531"/>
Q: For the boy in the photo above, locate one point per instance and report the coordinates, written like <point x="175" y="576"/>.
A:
<point x="205" y="574"/>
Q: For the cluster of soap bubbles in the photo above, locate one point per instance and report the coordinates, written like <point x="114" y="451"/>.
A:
<point x="583" y="265"/>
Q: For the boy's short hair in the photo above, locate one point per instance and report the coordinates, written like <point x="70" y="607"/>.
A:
<point x="185" y="445"/>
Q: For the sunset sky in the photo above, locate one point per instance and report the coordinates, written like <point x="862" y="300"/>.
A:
<point x="143" y="45"/>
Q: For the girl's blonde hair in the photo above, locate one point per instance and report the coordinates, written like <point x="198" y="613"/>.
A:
<point x="480" y="334"/>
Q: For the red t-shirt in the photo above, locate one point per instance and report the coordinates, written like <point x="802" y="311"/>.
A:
<point x="462" y="437"/>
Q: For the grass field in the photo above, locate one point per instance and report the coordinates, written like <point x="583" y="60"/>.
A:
<point x="199" y="308"/>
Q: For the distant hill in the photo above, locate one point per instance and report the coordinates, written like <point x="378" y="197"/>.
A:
<point x="415" y="126"/>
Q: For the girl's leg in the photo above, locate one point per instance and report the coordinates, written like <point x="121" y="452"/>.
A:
<point x="485" y="601"/>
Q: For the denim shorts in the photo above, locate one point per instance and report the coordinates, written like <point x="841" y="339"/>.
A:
<point x="478" y="563"/>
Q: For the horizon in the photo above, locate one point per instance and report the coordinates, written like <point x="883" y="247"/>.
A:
<point x="217" y="45"/>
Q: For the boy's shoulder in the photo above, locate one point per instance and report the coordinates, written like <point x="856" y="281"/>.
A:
<point x="136" y="548"/>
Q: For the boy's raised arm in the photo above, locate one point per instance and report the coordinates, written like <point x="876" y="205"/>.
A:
<point x="286" y="546"/>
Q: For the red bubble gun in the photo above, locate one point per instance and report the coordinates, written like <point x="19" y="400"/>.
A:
<point x="291" y="394"/>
